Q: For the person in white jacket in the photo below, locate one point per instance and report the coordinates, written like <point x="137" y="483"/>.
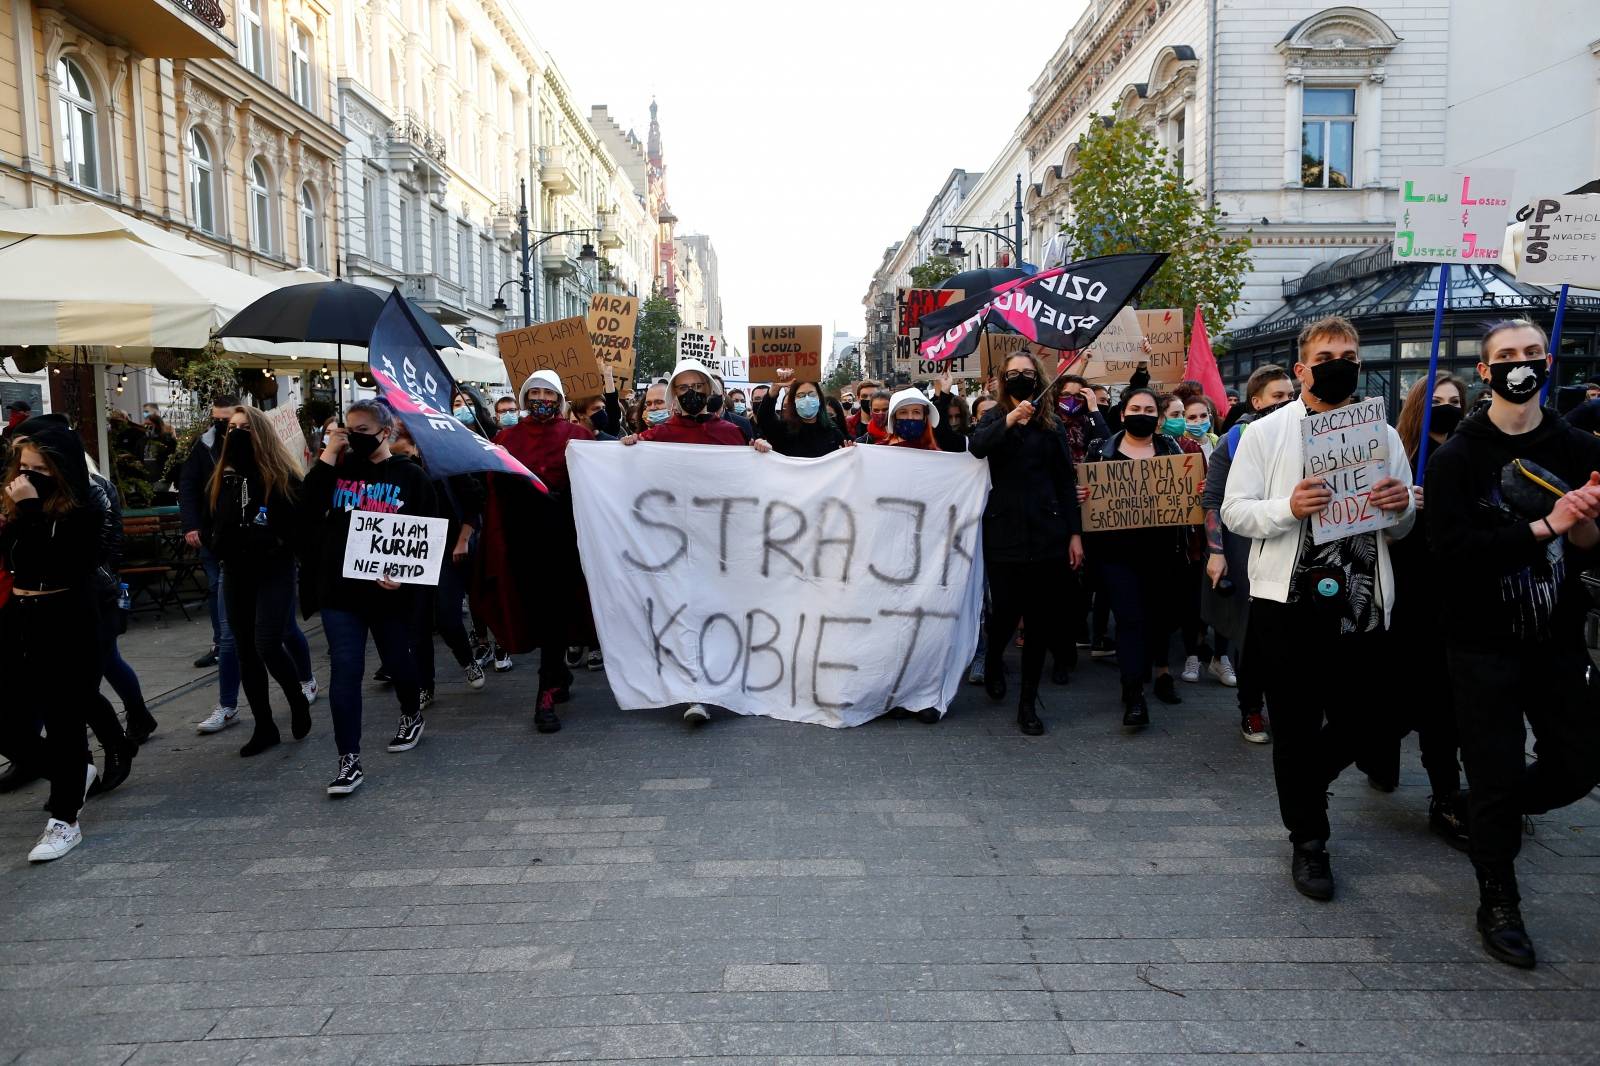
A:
<point x="1319" y="614"/>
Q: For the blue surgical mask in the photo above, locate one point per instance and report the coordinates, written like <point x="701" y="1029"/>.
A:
<point x="655" y="418"/>
<point x="509" y="418"/>
<point x="807" y="406"/>
<point x="909" y="428"/>
<point x="1174" y="427"/>
<point x="740" y="407"/>
<point x="463" y="415"/>
<point x="1199" y="429"/>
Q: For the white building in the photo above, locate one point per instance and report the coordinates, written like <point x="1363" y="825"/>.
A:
<point x="696" y="248"/>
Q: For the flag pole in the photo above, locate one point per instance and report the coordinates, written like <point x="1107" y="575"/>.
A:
<point x="1555" y="339"/>
<point x="1433" y="372"/>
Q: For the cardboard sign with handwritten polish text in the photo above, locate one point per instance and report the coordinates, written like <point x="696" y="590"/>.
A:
<point x="562" y="346"/>
<point x="1143" y="493"/>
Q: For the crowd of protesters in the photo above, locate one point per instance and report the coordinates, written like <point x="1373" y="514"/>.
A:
<point x="1475" y="581"/>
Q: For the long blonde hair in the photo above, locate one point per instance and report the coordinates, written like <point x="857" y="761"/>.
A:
<point x="280" y="470"/>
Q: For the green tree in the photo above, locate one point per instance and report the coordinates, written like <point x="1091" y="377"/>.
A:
<point x="928" y="275"/>
<point x="846" y="370"/>
<point x="657" y="338"/>
<point x="1128" y="197"/>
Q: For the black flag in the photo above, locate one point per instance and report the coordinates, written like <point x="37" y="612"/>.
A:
<point x="1063" y="308"/>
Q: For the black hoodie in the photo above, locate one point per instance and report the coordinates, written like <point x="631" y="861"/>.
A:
<point x="1496" y="582"/>
<point x="49" y="551"/>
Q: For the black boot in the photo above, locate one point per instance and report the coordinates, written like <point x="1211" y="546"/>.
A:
<point x="1028" y="715"/>
<point x="141" y="724"/>
<point x="1448" y="817"/>
<point x="1500" y="919"/>
<point x="1135" y="712"/>
<point x="1166" y="689"/>
<point x="119" y="764"/>
<point x="299" y="714"/>
<point x="994" y="677"/>
<point x="265" y="736"/>
<point x="1313" y="873"/>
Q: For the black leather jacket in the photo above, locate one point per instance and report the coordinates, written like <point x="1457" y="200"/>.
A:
<point x="103" y="495"/>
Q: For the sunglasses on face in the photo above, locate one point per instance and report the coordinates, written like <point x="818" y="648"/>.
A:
<point x="1020" y="375"/>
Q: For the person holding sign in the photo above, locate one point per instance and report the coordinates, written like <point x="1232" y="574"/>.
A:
<point x="803" y="429"/>
<point x="1512" y="502"/>
<point x="1139" y="568"/>
<point x="249" y="525"/>
<point x="1031" y="530"/>
<point x="543" y="579"/>
<point x="1325" y="606"/>
<point x="358" y="474"/>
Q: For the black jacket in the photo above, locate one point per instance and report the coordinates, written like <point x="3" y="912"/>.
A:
<point x="1032" y="511"/>
<point x="231" y="530"/>
<point x="810" y="441"/>
<point x="328" y="496"/>
<point x="104" y="495"/>
<point x="195" y="477"/>
<point x="44" y="551"/>
<point x="1496" y="583"/>
<point x="1160" y="546"/>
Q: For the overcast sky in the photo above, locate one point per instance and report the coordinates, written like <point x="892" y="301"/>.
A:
<point x="805" y="138"/>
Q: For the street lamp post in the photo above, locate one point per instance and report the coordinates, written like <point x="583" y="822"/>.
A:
<point x="530" y="294"/>
<point x="1013" y="239"/>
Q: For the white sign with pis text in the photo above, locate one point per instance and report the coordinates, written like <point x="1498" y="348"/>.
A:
<point x="403" y="548"/>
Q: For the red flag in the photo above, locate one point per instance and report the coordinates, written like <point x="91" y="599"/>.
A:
<point x="1201" y="365"/>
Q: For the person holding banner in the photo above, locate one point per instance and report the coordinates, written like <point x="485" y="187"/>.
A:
<point x="908" y="422"/>
<point x="358" y="473"/>
<point x="249" y="525"/>
<point x="803" y="429"/>
<point x="1139" y="568"/>
<point x="1419" y="626"/>
<point x="874" y="419"/>
<point x="723" y="408"/>
<point x="547" y="572"/>
<point x="1318" y="612"/>
<point x="856" y="425"/>
<point x="1512" y="501"/>
<point x="1031" y="529"/>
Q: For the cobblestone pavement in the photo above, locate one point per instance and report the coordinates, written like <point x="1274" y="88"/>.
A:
<point x="761" y="892"/>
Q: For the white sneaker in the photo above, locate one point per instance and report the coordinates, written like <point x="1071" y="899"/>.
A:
<point x="89" y="774"/>
<point x="1191" y="669"/>
<point x="219" y="719"/>
<point x="502" y="660"/>
<point x="1222" y="670"/>
<point x="696" y="714"/>
<point x="310" y="689"/>
<point x="474" y="676"/>
<point x="58" y="839"/>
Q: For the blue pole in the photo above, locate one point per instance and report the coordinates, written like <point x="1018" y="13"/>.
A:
<point x="1433" y="372"/>
<point x="1555" y="341"/>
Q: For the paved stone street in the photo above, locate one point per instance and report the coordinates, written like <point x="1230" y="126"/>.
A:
<point x="760" y="892"/>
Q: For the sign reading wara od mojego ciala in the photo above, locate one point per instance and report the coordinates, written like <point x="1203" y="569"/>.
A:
<point x="1348" y="450"/>
<point x="1561" y="242"/>
<point x="562" y="346"/>
<point x="612" y="320"/>
<point x="774" y="348"/>
<point x="1451" y="215"/>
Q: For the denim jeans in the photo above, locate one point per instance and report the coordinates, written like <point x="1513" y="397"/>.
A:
<point x="347" y="650"/>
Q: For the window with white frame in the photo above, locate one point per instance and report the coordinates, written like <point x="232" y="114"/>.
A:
<point x="407" y="220"/>
<point x="300" y="83"/>
<point x="252" y="38"/>
<point x="441" y="244"/>
<point x="77" y="127"/>
<point x="486" y="261"/>
<point x="1178" y="138"/>
<point x="310" y="229"/>
<point x="1327" y="137"/>
<point x="464" y="256"/>
<point x="202" y="192"/>
<point x="259" y="194"/>
<point x="369" y="212"/>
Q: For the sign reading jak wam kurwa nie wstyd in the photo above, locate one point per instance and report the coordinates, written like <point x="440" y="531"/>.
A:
<point x="827" y="590"/>
<point x="1348" y="448"/>
<point x="403" y="548"/>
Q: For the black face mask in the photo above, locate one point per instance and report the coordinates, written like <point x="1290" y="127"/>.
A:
<point x="1021" y="388"/>
<point x="1140" y="426"/>
<point x="692" y="402"/>
<point x="241" y="449"/>
<point x="1265" y="411"/>
<point x="600" y="422"/>
<point x="1519" y="381"/>
<point x="221" y="427"/>
<point x="363" y="445"/>
<point x="1446" y="417"/>
<point x="43" y="484"/>
<point x="1334" y="380"/>
<point x="714" y="402"/>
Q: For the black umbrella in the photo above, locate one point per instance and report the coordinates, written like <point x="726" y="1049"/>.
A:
<point x="324" y="312"/>
<point x="982" y="279"/>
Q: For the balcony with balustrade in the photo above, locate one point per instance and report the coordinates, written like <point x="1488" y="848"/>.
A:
<point x="160" y="29"/>
<point x="554" y="173"/>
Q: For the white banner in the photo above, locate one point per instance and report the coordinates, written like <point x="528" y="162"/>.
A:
<point x="812" y="590"/>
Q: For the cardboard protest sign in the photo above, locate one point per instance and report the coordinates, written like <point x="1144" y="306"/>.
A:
<point x="1143" y="493"/>
<point x="562" y="346"/>
<point x="799" y="348"/>
<point x="996" y="348"/>
<point x="1561" y="244"/>
<point x="821" y="590"/>
<point x="1452" y="215"/>
<point x="910" y="305"/>
<point x="1120" y="348"/>
<point x="699" y="346"/>
<point x="400" y="547"/>
<point x="612" y="321"/>
<point x="1348" y="448"/>
<point x="286" y="427"/>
